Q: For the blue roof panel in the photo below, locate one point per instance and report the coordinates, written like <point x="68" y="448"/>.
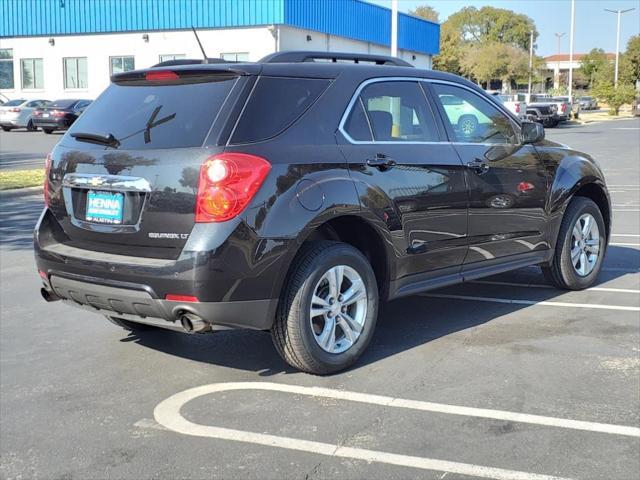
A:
<point x="354" y="19"/>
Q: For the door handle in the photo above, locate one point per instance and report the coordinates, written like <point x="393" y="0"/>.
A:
<point x="478" y="166"/>
<point x="381" y="162"/>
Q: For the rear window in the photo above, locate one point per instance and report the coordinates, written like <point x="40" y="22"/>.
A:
<point x="62" y="103"/>
<point x="275" y="104"/>
<point x="14" y="103"/>
<point x="147" y="116"/>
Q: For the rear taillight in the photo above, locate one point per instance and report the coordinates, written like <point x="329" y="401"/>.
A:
<point x="14" y="110"/>
<point x="37" y="113"/>
<point x="161" y="76"/>
<point x="563" y="107"/>
<point x="517" y="108"/>
<point x="57" y="113"/>
<point x="227" y="184"/>
<point x="47" y="171"/>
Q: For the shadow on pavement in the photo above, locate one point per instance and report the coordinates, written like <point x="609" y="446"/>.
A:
<point x="402" y="325"/>
<point x="18" y="217"/>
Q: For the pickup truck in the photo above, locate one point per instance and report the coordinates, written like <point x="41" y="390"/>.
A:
<point x="542" y="109"/>
<point x="572" y="107"/>
<point x="514" y="104"/>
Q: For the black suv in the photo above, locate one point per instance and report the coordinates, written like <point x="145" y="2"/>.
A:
<point x="295" y="193"/>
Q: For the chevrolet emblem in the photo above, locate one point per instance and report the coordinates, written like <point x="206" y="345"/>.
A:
<point x="95" y="181"/>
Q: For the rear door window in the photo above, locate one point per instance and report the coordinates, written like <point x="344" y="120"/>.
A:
<point x="396" y="111"/>
<point x="275" y="104"/>
<point x="147" y="116"/>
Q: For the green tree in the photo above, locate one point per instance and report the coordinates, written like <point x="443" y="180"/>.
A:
<point x="630" y="62"/>
<point x="492" y="60"/>
<point x="615" y="97"/>
<point x="427" y="12"/>
<point x="484" y="32"/>
<point x="593" y="63"/>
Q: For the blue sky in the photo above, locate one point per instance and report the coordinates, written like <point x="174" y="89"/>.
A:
<point x="595" y="28"/>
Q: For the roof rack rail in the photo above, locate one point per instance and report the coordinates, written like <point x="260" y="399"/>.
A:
<point x="304" y="56"/>
<point x="191" y="61"/>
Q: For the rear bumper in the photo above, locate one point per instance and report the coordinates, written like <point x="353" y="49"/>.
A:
<point x="57" y="123"/>
<point x="139" y="303"/>
<point x="234" y="277"/>
<point x="10" y="122"/>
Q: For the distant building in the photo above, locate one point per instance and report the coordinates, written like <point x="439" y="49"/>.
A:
<point x="69" y="48"/>
<point x="557" y="65"/>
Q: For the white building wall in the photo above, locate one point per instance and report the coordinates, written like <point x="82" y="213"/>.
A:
<point x="99" y="48"/>
<point x="296" y="39"/>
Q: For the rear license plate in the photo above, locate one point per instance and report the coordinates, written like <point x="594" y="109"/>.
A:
<point x="45" y="115"/>
<point x="104" y="207"/>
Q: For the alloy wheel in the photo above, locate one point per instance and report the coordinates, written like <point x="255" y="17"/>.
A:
<point x="585" y="244"/>
<point x="338" y="309"/>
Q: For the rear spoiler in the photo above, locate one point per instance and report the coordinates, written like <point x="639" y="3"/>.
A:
<point x="176" y="74"/>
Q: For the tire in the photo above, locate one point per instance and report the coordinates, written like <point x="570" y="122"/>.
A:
<point x="297" y="335"/>
<point x="31" y="127"/>
<point x="47" y="130"/>
<point x="562" y="272"/>
<point x="6" y="129"/>
<point x="130" y="326"/>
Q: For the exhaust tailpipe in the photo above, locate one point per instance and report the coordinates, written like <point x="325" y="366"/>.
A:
<point x="192" y="323"/>
<point x="49" y="295"/>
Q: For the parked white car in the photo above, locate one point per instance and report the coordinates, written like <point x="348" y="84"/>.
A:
<point x="19" y="113"/>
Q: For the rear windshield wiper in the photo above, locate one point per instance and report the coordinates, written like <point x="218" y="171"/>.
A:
<point x="107" y="140"/>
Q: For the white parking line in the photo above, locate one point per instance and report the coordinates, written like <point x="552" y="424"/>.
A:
<point x="538" y="285"/>
<point x="625" y="235"/>
<point x="626" y="209"/>
<point x="167" y="413"/>
<point x="594" y="306"/>
<point x="618" y="244"/>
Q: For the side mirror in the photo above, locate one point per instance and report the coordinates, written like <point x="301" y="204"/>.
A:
<point x="532" y="132"/>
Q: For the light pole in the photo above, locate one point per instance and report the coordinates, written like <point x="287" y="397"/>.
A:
<point x="573" y="22"/>
<point x="559" y="37"/>
<point x="619" y="12"/>
<point x="530" y="61"/>
<point x="394" y="28"/>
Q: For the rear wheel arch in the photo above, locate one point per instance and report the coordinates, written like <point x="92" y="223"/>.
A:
<point x="595" y="192"/>
<point x="353" y="230"/>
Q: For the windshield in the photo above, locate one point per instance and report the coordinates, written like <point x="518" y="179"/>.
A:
<point x="155" y="116"/>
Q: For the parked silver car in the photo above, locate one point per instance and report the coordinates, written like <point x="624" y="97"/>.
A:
<point x="19" y="113"/>
<point x="588" y="103"/>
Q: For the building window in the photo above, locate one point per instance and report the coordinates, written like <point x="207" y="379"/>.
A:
<point x="32" y="73"/>
<point x="75" y="73"/>
<point x="172" y="56"/>
<point x="121" y="64"/>
<point x="235" y="56"/>
<point x="6" y="68"/>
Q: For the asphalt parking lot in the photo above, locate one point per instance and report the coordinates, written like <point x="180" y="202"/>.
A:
<point x="21" y="150"/>
<point x="501" y="378"/>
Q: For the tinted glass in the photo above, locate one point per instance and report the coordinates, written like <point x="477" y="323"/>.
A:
<point x="62" y="103"/>
<point x="274" y="105"/>
<point x="399" y="112"/>
<point x="357" y="125"/>
<point x="155" y="116"/>
<point x="472" y="118"/>
<point x="6" y="68"/>
<point x="13" y="103"/>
